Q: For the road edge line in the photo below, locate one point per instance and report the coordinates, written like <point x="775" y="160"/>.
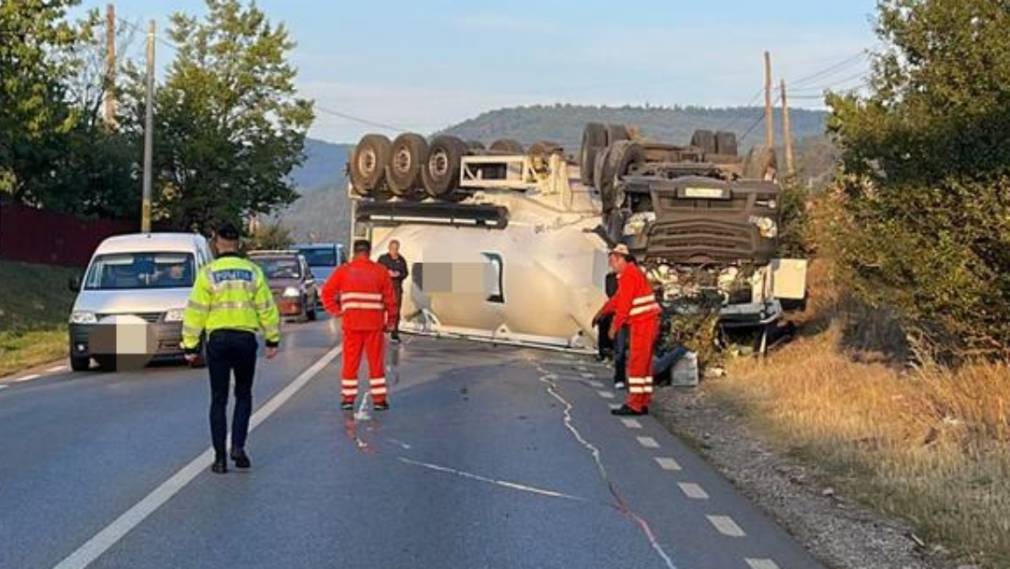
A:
<point x="131" y="518"/>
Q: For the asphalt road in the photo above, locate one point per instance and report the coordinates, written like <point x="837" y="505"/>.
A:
<point x="491" y="457"/>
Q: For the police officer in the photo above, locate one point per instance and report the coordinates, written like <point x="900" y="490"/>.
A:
<point x="231" y="301"/>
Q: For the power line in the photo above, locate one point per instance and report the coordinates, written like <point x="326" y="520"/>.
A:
<point x="360" y="120"/>
<point x="830" y="70"/>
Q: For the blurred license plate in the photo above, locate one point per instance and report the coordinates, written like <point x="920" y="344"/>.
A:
<point x="705" y="193"/>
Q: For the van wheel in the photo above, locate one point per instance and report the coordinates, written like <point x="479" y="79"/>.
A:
<point x="80" y="364"/>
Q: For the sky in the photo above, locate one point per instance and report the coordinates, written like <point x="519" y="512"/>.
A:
<point x="423" y="66"/>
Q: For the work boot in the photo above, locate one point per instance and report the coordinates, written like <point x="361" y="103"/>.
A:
<point x="395" y="336"/>
<point x="381" y="405"/>
<point x="620" y="386"/>
<point x="347" y="405"/>
<point x="625" y="411"/>
<point x="220" y="465"/>
<point x="241" y="458"/>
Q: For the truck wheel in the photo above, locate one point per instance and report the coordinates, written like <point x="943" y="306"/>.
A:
<point x="622" y="155"/>
<point x="440" y="173"/>
<point x="475" y="146"/>
<point x="725" y="143"/>
<point x="594" y="139"/>
<point x="617" y="133"/>
<point x="407" y="154"/>
<point x="544" y="148"/>
<point x="761" y="164"/>
<point x="80" y="364"/>
<point x="705" y="140"/>
<point x="603" y="178"/>
<point x="506" y="146"/>
<point x="368" y="161"/>
<point x="106" y="362"/>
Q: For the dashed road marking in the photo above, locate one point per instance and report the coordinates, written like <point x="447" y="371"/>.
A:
<point x="614" y="406"/>
<point x="55" y="369"/>
<point x="4" y="386"/>
<point x="596" y="384"/>
<point x="726" y="526"/>
<point x="631" y="423"/>
<point x="131" y="518"/>
<point x="588" y="375"/>
<point x="761" y="564"/>
<point x="606" y="394"/>
<point x="581" y="368"/>
<point x="667" y="463"/>
<point x="27" y="378"/>
<point x="692" y="490"/>
<point x="648" y="442"/>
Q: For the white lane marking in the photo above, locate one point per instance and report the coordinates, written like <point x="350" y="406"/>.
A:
<point x="581" y="368"/>
<point x="647" y="442"/>
<point x="631" y="423"/>
<point x="27" y="378"/>
<point x="596" y="384"/>
<point x="588" y="375"/>
<point x="4" y="386"/>
<point x="615" y="406"/>
<point x="726" y="526"/>
<point x="606" y="394"/>
<point x="667" y="463"/>
<point x="55" y="369"/>
<point x="692" y="490"/>
<point x="761" y="563"/>
<point x="478" y="477"/>
<point x="103" y="540"/>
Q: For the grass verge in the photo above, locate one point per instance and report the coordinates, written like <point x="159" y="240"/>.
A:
<point x="927" y="445"/>
<point x="34" y="305"/>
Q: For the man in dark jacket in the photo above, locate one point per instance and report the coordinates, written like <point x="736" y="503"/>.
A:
<point x="397" y="267"/>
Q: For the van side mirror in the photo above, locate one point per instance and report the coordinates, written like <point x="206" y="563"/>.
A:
<point x="74" y="283"/>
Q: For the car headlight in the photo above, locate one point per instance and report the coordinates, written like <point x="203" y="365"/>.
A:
<point x="291" y="292"/>
<point x="766" y="226"/>
<point x="83" y="317"/>
<point x="175" y="315"/>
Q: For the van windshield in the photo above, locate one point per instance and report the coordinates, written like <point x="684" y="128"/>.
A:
<point x="320" y="256"/>
<point x="121" y="271"/>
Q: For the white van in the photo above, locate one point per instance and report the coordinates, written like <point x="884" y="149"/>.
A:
<point x="131" y="299"/>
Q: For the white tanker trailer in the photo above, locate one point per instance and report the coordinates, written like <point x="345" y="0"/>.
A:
<point x="511" y="246"/>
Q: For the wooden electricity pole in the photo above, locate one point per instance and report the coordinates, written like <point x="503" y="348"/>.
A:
<point x="769" y="119"/>
<point x="787" y="134"/>
<point x="145" y="211"/>
<point x="109" y="108"/>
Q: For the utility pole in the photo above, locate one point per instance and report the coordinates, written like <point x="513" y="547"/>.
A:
<point x="145" y="211"/>
<point x="787" y="134"/>
<point x="109" y="109"/>
<point x="769" y="118"/>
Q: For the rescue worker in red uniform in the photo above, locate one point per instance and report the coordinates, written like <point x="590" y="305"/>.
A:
<point x="635" y="306"/>
<point x="361" y="292"/>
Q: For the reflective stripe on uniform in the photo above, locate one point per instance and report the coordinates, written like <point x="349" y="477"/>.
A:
<point x="644" y="309"/>
<point x="635" y="390"/>
<point x="644" y="299"/>
<point x="231" y="305"/>
<point x="379" y="391"/>
<point x="360" y="296"/>
<point x="233" y="285"/>
<point x="349" y="382"/>
<point x="192" y="304"/>
<point x="191" y="331"/>
<point x="349" y="392"/>
<point x="362" y="306"/>
<point x="377" y="381"/>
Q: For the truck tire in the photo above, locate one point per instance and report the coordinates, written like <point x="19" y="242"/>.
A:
<point x="80" y="363"/>
<point x="381" y="192"/>
<point x="705" y="140"/>
<point x="725" y="143"/>
<point x="617" y="133"/>
<point x="368" y="161"/>
<point x="440" y="173"/>
<point x="603" y="179"/>
<point x="761" y="163"/>
<point x="506" y="146"/>
<point x="475" y="146"/>
<point x="544" y="148"/>
<point x="594" y="139"/>
<point x="621" y="156"/>
<point x="406" y="157"/>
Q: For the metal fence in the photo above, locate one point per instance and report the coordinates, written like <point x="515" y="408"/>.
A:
<point x="38" y="236"/>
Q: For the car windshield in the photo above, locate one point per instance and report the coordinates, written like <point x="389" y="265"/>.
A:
<point x="320" y="256"/>
<point x="120" y="271"/>
<point x="279" y="267"/>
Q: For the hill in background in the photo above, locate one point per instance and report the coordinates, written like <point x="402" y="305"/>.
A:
<point x="323" y="212"/>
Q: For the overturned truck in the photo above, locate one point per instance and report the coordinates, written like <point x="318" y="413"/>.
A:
<point x="509" y="244"/>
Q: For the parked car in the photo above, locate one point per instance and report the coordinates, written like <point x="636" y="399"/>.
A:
<point x="323" y="258"/>
<point x="132" y="298"/>
<point x="291" y="281"/>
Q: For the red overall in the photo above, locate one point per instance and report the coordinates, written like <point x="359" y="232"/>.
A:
<point x="635" y="305"/>
<point x="361" y="292"/>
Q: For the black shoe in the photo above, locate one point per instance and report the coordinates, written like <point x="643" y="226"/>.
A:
<point x="347" y="406"/>
<point x="220" y="465"/>
<point x="626" y="411"/>
<point x="395" y="336"/>
<point x="241" y="458"/>
<point x="384" y="406"/>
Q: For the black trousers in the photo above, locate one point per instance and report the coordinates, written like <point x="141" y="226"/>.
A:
<point x="604" y="346"/>
<point x="230" y="351"/>
<point x="398" y="293"/>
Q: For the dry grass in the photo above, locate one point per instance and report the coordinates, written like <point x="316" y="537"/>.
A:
<point x="929" y="445"/>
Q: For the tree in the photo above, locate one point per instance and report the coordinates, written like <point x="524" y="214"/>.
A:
<point x="925" y="224"/>
<point x="37" y="57"/>
<point x="228" y="127"/>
